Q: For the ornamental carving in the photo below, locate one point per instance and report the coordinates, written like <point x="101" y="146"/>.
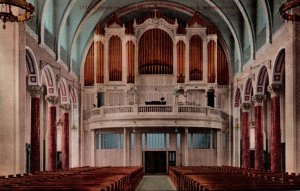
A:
<point x="245" y="106"/>
<point x="259" y="99"/>
<point x="274" y="89"/>
<point x="35" y="90"/>
<point x="54" y="100"/>
<point x="66" y="107"/>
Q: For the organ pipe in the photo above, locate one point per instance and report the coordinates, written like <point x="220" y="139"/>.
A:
<point x="180" y="61"/>
<point x="196" y="57"/>
<point x="89" y="67"/>
<point x="130" y="61"/>
<point x="211" y="51"/>
<point x="100" y="62"/>
<point x="222" y="67"/>
<point x="115" y="59"/>
<point x="155" y="53"/>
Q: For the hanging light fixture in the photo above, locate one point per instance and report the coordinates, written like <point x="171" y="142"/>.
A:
<point x="15" y="11"/>
<point x="290" y="10"/>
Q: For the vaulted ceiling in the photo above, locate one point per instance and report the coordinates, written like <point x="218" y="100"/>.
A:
<point x="67" y="26"/>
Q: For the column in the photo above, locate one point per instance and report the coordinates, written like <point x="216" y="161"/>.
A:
<point x="65" y="136"/>
<point x="51" y="134"/>
<point x="245" y="135"/>
<point x="186" y="147"/>
<point x="275" y="128"/>
<point x="259" y="137"/>
<point x="35" y="92"/>
<point x="124" y="147"/>
<point x="219" y="148"/>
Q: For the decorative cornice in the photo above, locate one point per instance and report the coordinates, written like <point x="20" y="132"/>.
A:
<point x="66" y="107"/>
<point x="259" y="99"/>
<point x="54" y="100"/>
<point x="35" y="90"/>
<point x="275" y="89"/>
<point x="246" y="107"/>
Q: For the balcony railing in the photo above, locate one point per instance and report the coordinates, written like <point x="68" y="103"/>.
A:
<point x="154" y="109"/>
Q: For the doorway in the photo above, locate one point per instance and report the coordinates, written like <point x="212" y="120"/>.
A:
<point x="155" y="162"/>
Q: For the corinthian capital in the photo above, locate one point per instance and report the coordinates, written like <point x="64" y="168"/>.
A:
<point x="259" y="99"/>
<point x="275" y="89"/>
<point x="35" y="90"/>
<point x="54" y="100"/>
<point x="246" y="107"/>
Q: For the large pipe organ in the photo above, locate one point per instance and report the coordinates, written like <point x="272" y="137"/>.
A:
<point x="153" y="79"/>
<point x="155" y="45"/>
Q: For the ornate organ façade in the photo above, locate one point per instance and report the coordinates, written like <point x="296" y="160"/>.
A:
<point x="154" y="56"/>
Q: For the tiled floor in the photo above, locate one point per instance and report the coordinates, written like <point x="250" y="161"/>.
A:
<point x="153" y="183"/>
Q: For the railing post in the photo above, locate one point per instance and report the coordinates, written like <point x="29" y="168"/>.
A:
<point x="175" y="110"/>
<point x="135" y="108"/>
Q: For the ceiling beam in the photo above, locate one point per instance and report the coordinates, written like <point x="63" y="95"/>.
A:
<point x="62" y="26"/>
<point x="268" y="16"/>
<point x="250" y="27"/>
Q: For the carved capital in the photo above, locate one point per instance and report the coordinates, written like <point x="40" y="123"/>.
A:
<point x="246" y="107"/>
<point x="35" y="90"/>
<point x="66" y="107"/>
<point x="275" y="89"/>
<point x="259" y="99"/>
<point x="54" y="100"/>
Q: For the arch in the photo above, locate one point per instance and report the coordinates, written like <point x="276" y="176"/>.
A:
<point x="237" y="97"/>
<point x="73" y="97"/>
<point x="262" y="79"/>
<point x="48" y="73"/>
<point x="249" y="27"/>
<point x="62" y="25"/>
<point x="32" y="68"/>
<point x="64" y="93"/>
<point x="268" y="16"/>
<point x="278" y="69"/>
<point x="247" y="91"/>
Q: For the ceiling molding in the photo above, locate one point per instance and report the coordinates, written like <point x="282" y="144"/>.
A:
<point x="268" y="16"/>
<point x="62" y="25"/>
<point x="249" y="26"/>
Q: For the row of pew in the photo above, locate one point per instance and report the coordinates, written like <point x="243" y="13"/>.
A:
<point x="81" y="178"/>
<point x="209" y="178"/>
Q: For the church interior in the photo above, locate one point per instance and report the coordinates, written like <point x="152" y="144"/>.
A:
<point x="203" y="93"/>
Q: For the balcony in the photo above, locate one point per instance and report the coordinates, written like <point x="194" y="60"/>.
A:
<point x="155" y="115"/>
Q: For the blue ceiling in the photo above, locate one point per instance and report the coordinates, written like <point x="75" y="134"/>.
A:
<point x="67" y="26"/>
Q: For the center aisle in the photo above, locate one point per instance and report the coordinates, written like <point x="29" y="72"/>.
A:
<point x="155" y="183"/>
